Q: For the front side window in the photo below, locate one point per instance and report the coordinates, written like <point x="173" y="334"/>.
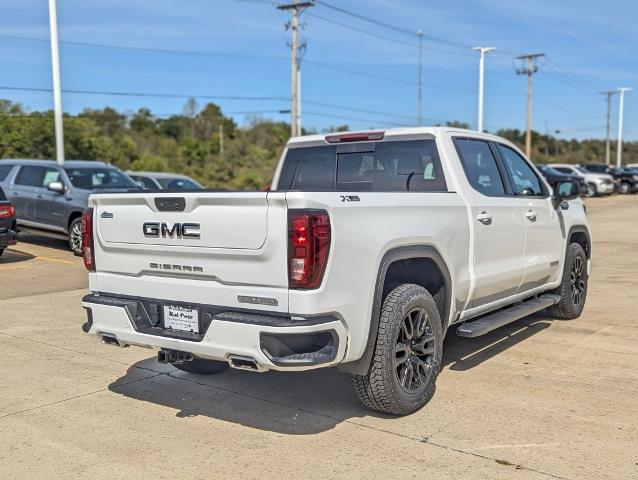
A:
<point x="526" y="182"/>
<point x="388" y="167"/>
<point x="480" y="166"/>
<point x="91" y="178"/>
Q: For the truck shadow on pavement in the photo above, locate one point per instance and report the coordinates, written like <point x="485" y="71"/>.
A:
<point x="293" y="403"/>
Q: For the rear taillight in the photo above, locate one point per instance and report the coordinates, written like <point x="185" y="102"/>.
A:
<point x="308" y="247"/>
<point x="7" y="211"/>
<point x="87" y="240"/>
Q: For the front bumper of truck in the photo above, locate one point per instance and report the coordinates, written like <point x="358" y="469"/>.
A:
<point x="272" y="341"/>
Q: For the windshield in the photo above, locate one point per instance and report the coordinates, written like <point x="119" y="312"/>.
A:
<point x="581" y="169"/>
<point x="91" y="178"/>
<point x="178" y="183"/>
<point x="551" y="171"/>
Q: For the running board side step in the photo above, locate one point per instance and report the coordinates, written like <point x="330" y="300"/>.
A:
<point x="517" y="311"/>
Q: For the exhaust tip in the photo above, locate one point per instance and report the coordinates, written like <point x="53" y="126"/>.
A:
<point x="241" y="362"/>
<point x="110" y="339"/>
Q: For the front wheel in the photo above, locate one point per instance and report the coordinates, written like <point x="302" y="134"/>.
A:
<point x="407" y="354"/>
<point x="75" y="236"/>
<point x="624" y="188"/>
<point x="591" y="190"/>
<point x="573" y="287"/>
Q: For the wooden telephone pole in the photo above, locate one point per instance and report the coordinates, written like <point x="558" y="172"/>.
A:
<point x="529" y="68"/>
<point x="295" y="8"/>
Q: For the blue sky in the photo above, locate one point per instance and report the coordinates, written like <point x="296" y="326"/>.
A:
<point x="590" y="47"/>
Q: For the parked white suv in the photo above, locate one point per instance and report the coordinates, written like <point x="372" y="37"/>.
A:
<point x="597" y="183"/>
<point x="367" y="249"/>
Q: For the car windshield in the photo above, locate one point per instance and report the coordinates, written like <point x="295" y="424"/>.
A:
<point x="596" y="168"/>
<point x="551" y="171"/>
<point x="581" y="169"/>
<point x="92" y="178"/>
<point x="178" y="183"/>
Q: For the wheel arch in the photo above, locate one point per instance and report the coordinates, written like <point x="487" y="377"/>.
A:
<point x="72" y="216"/>
<point x="404" y="265"/>
<point x="580" y="234"/>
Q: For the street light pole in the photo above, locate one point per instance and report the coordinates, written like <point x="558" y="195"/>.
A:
<point x="420" y="100"/>
<point x="482" y="51"/>
<point x="57" y="93"/>
<point x="621" y="104"/>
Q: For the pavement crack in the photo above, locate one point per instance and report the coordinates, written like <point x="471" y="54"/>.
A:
<point x="78" y="352"/>
<point x="361" y="425"/>
<point x="82" y="395"/>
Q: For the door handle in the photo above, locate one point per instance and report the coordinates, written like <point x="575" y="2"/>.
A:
<point x="485" y="218"/>
<point x="531" y="215"/>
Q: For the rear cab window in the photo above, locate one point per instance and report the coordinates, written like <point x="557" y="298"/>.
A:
<point x="389" y="166"/>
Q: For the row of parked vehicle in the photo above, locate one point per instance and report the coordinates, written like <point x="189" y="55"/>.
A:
<point x="48" y="199"/>
<point x="596" y="178"/>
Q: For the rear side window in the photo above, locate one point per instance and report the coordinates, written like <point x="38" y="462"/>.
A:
<point x="480" y="166"/>
<point x="4" y="171"/>
<point x="39" y="177"/>
<point x="388" y="167"/>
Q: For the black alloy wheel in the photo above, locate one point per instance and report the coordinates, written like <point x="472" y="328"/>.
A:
<point x="414" y="351"/>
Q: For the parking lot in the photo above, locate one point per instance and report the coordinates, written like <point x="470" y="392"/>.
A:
<point x="540" y="398"/>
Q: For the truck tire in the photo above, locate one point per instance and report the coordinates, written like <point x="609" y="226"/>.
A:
<point x="75" y="237"/>
<point x="202" y="366"/>
<point x="573" y="287"/>
<point x="407" y="354"/>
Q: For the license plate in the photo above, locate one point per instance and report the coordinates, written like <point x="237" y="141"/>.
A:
<point x="184" y="319"/>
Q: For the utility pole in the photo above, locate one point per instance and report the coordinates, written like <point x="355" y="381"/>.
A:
<point x="609" y="94"/>
<point x="482" y="51"/>
<point x="57" y="92"/>
<point x="529" y="69"/>
<point x="295" y="8"/>
<point x="420" y="102"/>
<point x="621" y="104"/>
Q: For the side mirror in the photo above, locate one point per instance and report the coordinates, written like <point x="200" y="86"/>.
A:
<point x="565" y="190"/>
<point x="57" y="187"/>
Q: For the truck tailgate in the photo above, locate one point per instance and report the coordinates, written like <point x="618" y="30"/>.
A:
<point x="210" y="248"/>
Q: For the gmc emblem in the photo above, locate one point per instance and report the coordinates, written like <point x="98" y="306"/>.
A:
<point x="164" y="230"/>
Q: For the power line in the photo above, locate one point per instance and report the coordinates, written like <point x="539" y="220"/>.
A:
<point x="211" y="97"/>
<point x="390" y="26"/>
<point x="361" y="30"/>
<point x="577" y="78"/>
<point x="146" y="94"/>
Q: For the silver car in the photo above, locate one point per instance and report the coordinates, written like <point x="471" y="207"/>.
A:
<point x="50" y="199"/>
<point x="164" y="181"/>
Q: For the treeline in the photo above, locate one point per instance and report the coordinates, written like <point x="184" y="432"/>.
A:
<point x="191" y="143"/>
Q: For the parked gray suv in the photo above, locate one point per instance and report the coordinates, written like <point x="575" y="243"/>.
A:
<point x="50" y="199"/>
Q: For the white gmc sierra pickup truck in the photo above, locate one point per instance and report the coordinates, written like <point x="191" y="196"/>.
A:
<point x="367" y="248"/>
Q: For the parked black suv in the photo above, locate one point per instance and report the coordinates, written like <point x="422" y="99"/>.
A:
<point x="8" y="235"/>
<point x="626" y="179"/>
<point x="553" y="176"/>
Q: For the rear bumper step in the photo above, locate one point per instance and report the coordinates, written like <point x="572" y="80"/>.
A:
<point x="248" y="340"/>
<point x="493" y="321"/>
